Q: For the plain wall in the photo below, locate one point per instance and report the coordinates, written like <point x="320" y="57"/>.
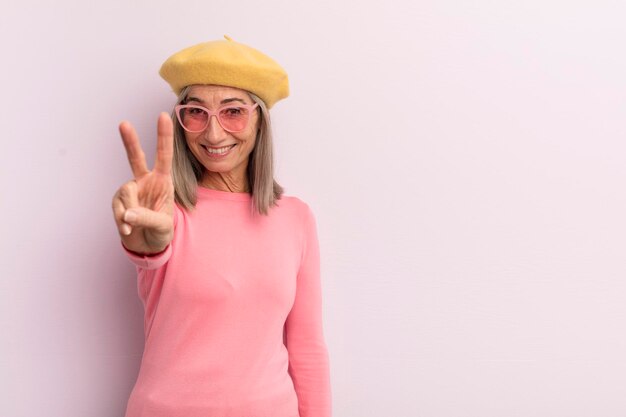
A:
<point x="464" y="159"/>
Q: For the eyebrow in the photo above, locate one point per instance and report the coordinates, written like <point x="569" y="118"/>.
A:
<point x="226" y="100"/>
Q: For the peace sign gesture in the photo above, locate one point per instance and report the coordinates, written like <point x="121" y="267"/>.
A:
<point x="143" y="208"/>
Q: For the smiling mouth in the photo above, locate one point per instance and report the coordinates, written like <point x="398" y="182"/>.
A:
<point x="219" y="151"/>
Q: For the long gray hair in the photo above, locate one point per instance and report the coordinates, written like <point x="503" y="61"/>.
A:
<point x="187" y="170"/>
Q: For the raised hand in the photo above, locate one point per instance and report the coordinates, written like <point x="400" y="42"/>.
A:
<point x="143" y="208"/>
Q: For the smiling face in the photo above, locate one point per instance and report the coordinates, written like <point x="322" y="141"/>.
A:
<point x="223" y="171"/>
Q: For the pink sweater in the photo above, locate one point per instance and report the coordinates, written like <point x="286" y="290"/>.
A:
<point x="233" y="314"/>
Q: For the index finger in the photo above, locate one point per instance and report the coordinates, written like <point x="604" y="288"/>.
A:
<point x="136" y="157"/>
<point x="165" y="144"/>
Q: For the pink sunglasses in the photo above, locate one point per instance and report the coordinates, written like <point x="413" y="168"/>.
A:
<point x="233" y="118"/>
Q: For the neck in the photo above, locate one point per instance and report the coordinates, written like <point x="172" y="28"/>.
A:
<point x="224" y="182"/>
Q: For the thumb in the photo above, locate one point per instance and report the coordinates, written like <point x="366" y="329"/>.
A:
<point x="149" y="219"/>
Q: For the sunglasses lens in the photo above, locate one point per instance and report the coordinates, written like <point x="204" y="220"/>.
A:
<point x="193" y="118"/>
<point x="234" y="118"/>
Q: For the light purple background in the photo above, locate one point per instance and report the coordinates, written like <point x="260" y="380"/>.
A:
<point x="465" y="161"/>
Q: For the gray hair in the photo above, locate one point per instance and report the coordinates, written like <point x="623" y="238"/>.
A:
<point x="187" y="170"/>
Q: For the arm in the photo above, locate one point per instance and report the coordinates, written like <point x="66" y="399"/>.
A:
<point x="308" y="355"/>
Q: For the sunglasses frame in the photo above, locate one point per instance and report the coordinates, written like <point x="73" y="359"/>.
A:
<point x="215" y="113"/>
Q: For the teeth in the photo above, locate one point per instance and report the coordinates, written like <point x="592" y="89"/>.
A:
<point x="220" y="150"/>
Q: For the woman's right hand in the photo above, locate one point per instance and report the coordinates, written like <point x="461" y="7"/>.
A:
<point x="143" y="208"/>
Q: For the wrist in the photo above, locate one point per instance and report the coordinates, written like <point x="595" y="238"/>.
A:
<point x="157" y="253"/>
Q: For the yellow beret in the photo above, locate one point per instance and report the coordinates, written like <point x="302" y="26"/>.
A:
<point x="228" y="63"/>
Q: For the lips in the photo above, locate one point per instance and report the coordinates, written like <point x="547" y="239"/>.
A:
<point x="218" y="155"/>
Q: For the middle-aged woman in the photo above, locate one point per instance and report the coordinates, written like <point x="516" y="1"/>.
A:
<point x="228" y="267"/>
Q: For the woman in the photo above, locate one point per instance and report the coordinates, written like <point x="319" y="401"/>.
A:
<point x="228" y="267"/>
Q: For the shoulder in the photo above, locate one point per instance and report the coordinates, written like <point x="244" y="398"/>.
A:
<point x="296" y="206"/>
<point x="298" y="212"/>
<point x="178" y="213"/>
<point x="305" y="222"/>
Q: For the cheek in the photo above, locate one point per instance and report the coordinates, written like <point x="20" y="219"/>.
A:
<point x="252" y="134"/>
<point x="249" y="139"/>
<point x="192" y="144"/>
<point x="250" y="143"/>
<point x="191" y="139"/>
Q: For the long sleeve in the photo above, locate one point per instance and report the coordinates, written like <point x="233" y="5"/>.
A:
<point x="149" y="261"/>
<point x="233" y="314"/>
<point x="308" y="354"/>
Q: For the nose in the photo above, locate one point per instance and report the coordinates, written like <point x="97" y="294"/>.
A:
<point x="214" y="132"/>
